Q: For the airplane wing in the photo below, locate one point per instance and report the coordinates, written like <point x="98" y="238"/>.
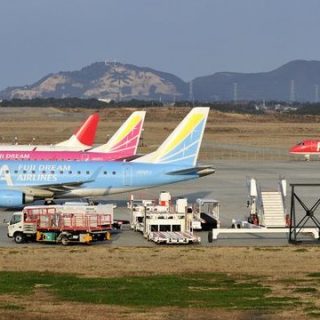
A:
<point x="58" y="188"/>
<point x="61" y="187"/>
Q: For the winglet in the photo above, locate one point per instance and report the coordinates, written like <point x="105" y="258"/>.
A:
<point x="183" y="144"/>
<point x="125" y="141"/>
<point x="84" y="137"/>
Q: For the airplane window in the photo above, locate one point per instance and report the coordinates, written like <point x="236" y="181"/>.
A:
<point x="87" y="172"/>
<point x="70" y="172"/>
<point x="113" y="172"/>
<point x="44" y="172"/>
<point x="15" y="171"/>
<point x="33" y="172"/>
<point x="79" y="172"/>
<point x="7" y="171"/>
<point x="105" y="172"/>
<point x="52" y="172"/>
<point x="61" y="172"/>
<point x="24" y="171"/>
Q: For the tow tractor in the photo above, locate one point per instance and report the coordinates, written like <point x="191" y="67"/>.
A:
<point x="75" y="223"/>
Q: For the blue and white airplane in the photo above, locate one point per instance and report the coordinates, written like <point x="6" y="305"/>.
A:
<point x="174" y="161"/>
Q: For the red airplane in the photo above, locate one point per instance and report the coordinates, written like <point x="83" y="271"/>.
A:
<point x="306" y="148"/>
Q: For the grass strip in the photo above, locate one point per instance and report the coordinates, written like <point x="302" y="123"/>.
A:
<point x="202" y="290"/>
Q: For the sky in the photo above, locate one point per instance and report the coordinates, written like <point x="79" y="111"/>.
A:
<point x="189" y="38"/>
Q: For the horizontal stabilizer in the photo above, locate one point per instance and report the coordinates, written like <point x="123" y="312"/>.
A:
<point x="201" y="171"/>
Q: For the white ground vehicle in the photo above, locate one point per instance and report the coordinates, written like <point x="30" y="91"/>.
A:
<point x="163" y="222"/>
<point x="74" y="223"/>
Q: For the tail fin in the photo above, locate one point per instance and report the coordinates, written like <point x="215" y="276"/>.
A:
<point x="183" y="144"/>
<point x="126" y="139"/>
<point x="84" y="137"/>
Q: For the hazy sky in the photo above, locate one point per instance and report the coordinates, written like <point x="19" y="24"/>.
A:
<point x="189" y="38"/>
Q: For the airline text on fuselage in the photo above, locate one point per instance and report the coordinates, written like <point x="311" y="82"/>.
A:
<point x="33" y="173"/>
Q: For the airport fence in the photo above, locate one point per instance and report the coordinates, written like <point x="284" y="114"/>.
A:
<point x="239" y="152"/>
<point x="248" y="153"/>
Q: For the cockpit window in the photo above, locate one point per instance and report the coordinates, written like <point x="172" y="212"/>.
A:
<point x="300" y="143"/>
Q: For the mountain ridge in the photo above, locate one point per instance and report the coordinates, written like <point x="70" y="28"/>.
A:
<point x="296" y="80"/>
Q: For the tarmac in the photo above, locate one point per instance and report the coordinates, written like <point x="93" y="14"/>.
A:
<point x="228" y="186"/>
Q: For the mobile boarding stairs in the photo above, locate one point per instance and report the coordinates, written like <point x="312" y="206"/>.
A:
<point x="267" y="213"/>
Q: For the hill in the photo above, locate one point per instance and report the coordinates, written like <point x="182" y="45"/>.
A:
<point x="297" y="80"/>
<point x="102" y="80"/>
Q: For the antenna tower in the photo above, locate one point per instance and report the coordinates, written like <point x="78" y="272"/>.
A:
<point x="235" y="92"/>
<point x="316" y="93"/>
<point x="292" y="97"/>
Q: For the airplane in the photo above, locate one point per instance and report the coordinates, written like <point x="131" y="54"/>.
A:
<point x="82" y="139"/>
<point x="174" y="161"/>
<point x="306" y="148"/>
<point x="122" y="145"/>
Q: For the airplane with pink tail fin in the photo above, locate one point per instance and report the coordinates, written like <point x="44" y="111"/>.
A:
<point x="122" y="146"/>
<point x="82" y="139"/>
<point x="126" y="139"/>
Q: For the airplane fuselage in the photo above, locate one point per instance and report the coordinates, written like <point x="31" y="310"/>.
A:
<point x="306" y="148"/>
<point x="85" y="178"/>
<point x="42" y="148"/>
<point x="65" y="155"/>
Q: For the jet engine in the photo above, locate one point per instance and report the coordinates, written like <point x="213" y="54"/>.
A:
<point x="14" y="198"/>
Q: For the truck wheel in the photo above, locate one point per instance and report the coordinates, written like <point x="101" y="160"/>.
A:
<point x="64" y="241"/>
<point x="18" y="237"/>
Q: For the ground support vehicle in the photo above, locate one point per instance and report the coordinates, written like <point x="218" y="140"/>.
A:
<point x="267" y="214"/>
<point x="169" y="228"/>
<point x="163" y="222"/>
<point x="54" y="224"/>
<point x="206" y="214"/>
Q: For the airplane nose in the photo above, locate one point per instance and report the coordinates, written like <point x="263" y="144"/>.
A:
<point x="294" y="149"/>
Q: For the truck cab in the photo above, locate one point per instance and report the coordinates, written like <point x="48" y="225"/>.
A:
<point x="18" y="229"/>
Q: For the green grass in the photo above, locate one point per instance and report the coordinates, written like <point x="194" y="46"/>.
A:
<point x="11" y="306"/>
<point x="186" y="290"/>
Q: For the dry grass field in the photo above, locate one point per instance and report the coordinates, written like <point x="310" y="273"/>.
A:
<point x="283" y="269"/>
<point x="286" y="270"/>
<point x="52" y="125"/>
